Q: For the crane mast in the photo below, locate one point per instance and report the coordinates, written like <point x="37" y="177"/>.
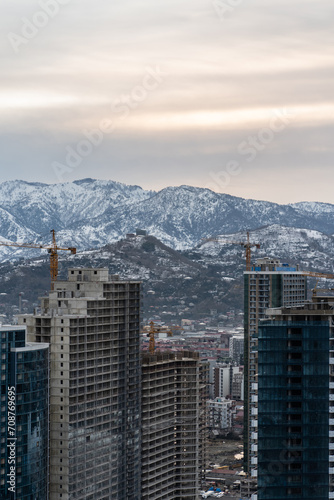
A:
<point x="53" y="251"/>
<point x="152" y="332"/>
<point x="246" y="244"/>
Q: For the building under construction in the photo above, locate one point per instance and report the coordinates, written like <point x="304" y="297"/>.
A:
<point x="92" y="322"/>
<point x="173" y="420"/>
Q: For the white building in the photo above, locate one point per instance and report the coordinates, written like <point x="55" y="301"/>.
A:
<point x="220" y="414"/>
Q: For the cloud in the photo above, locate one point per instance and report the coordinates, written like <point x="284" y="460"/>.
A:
<point x="225" y="78"/>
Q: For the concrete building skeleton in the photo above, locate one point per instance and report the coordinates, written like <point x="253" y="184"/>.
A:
<point x="174" y="425"/>
<point x="92" y="323"/>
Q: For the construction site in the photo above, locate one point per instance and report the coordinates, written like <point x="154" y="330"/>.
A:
<point x="142" y="415"/>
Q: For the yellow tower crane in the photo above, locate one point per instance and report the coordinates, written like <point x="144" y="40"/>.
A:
<point x="53" y="251"/>
<point x="151" y="334"/>
<point x="318" y="275"/>
<point x="246" y="244"/>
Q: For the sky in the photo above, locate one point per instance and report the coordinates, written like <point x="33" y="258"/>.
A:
<point x="231" y="95"/>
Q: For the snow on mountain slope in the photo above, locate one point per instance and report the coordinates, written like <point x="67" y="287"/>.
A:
<point x="315" y="208"/>
<point x="311" y="249"/>
<point x="91" y="213"/>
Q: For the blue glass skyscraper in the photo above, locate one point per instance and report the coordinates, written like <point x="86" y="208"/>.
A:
<point x="295" y="402"/>
<point x="24" y="417"/>
<point x="270" y="283"/>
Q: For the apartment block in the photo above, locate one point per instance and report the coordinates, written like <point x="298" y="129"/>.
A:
<point x="236" y="349"/>
<point x="270" y="283"/>
<point x="91" y="322"/>
<point x="224" y="377"/>
<point x="172" y="453"/>
<point x="296" y="402"/>
<point x="220" y="414"/>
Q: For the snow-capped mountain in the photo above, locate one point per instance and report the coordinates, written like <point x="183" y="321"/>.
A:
<point x="208" y="277"/>
<point x="91" y="213"/>
<point x="310" y="249"/>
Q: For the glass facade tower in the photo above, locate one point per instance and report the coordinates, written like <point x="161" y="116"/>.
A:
<point x="269" y="284"/>
<point x="24" y="417"/>
<point x="295" y="390"/>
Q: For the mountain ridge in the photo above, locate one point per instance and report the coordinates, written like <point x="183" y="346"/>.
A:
<point x="90" y="213"/>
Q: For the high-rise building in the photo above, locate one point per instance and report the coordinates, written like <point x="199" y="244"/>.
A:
<point x="172" y="453"/>
<point x="24" y="416"/>
<point x="295" y="407"/>
<point x="92" y="323"/>
<point x="236" y="349"/>
<point x="238" y="385"/>
<point x="268" y="284"/>
<point x="224" y="376"/>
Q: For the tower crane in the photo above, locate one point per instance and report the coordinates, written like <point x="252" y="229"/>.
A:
<point x="318" y="275"/>
<point x="151" y="334"/>
<point x="246" y="244"/>
<point x="53" y="251"/>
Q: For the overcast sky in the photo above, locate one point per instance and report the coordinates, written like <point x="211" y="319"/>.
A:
<point x="233" y="95"/>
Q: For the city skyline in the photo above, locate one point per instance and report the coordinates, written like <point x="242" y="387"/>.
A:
<point x="217" y="94"/>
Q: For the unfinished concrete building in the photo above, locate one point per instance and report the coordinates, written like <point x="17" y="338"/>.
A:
<point x="172" y="440"/>
<point x="92" y="322"/>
